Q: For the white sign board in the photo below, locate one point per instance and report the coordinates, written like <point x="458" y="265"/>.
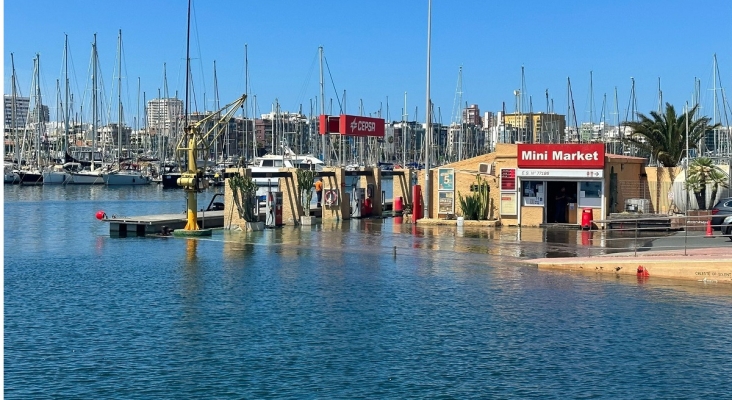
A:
<point x="560" y="173"/>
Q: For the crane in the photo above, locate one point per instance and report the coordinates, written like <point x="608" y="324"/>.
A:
<point x="195" y="143"/>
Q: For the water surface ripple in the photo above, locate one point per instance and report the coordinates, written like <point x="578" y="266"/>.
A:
<point x="330" y="312"/>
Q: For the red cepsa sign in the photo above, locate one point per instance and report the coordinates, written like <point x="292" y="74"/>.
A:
<point x="591" y="155"/>
<point x="352" y="125"/>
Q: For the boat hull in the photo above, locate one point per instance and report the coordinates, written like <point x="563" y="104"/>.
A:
<point x="31" y="178"/>
<point x="125" y="179"/>
<point x="55" y="178"/>
<point x="170" y="180"/>
<point x="86" y="178"/>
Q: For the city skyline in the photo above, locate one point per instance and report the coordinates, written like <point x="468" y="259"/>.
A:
<point x="379" y="54"/>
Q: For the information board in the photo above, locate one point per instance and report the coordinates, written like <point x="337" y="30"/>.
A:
<point x="446" y="202"/>
<point x="508" y="204"/>
<point x="445" y="179"/>
<point x="508" y="179"/>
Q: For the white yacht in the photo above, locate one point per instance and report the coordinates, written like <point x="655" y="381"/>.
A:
<point x="11" y="174"/>
<point x="274" y="162"/>
<point x="126" y="177"/>
<point x="56" y="175"/>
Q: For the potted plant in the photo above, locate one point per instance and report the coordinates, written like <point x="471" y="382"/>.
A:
<point x="305" y="181"/>
<point x="703" y="172"/>
<point x="244" y="192"/>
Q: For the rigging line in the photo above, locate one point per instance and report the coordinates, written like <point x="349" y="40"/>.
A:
<point x="340" y="106"/>
<point x="200" y="58"/>
<point x="303" y="88"/>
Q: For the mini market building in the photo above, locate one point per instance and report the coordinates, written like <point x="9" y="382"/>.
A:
<point x="537" y="184"/>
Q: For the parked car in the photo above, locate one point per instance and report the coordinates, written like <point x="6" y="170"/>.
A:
<point x="720" y="211"/>
<point x="726" y="227"/>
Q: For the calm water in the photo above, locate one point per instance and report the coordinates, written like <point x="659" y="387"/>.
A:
<point x="330" y="312"/>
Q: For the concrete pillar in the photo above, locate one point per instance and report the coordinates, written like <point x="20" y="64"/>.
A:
<point x="341" y="211"/>
<point x="374" y="178"/>
<point x="291" y="205"/>
<point x="231" y="213"/>
<point x="402" y="182"/>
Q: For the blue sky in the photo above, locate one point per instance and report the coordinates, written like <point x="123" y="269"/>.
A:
<point x="377" y="50"/>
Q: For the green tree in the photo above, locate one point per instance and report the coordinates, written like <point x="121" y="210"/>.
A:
<point x="702" y="173"/>
<point x="663" y="136"/>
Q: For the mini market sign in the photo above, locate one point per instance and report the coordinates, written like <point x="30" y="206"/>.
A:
<point x="575" y="156"/>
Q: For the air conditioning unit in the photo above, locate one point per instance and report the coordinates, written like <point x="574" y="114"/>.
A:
<point x="485" y="168"/>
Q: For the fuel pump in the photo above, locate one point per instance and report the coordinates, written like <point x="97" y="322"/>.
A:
<point x="357" y="202"/>
<point x="273" y="209"/>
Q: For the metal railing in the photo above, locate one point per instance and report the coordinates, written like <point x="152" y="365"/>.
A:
<point x="680" y="232"/>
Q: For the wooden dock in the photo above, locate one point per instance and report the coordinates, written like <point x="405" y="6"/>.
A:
<point x="144" y="225"/>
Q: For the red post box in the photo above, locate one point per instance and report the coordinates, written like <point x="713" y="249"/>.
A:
<point x="586" y="218"/>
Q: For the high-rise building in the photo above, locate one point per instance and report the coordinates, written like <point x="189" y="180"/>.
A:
<point x="22" y="104"/>
<point x="163" y="115"/>
<point x="536" y="127"/>
<point x="471" y="115"/>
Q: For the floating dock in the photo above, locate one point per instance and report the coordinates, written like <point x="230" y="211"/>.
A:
<point x="153" y="224"/>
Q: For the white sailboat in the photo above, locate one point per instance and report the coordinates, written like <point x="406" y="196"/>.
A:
<point x="57" y="174"/>
<point x="33" y="175"/>
<point x="123" y="175"/>
<point x="10" y="168"/>
<point x="92" y="176"/>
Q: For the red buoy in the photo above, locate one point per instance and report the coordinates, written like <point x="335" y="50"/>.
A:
<point x="101" y="215"/>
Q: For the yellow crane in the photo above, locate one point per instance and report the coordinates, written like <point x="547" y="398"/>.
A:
<point x="191" y="146"/>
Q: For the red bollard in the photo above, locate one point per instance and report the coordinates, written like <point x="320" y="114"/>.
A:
<point x="398" y="205"/>
<point x="416" y="203"/>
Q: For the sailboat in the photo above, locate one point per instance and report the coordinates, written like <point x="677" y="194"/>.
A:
<point x="10" y="168"/>
<point x="127" y="174"/>
<point x="57" y="174"/>
<point x="33" y="175"/>
<point x="91" y="176"/>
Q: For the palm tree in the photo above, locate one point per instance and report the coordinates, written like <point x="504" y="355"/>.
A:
<point x="663" y="136"/>
<point x="703" y="172"/>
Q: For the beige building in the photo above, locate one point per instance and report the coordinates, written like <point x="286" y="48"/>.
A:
<point x="528" y="190"/>
<point x="536" y="127"/>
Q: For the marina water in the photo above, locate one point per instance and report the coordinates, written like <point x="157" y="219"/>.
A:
<point x="331" y="312"/>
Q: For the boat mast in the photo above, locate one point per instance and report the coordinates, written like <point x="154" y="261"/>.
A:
<point x="94" y="102"/>
<point x="66" y="95"/>
<point x="245" y="152"/>
<point x="13" y="112"/>
<point x="39" y="108"/>
<point x="324" y="156"/>
<point x="188" y="63"/>
<point x="119" y="102"/>
<point x="428" y="132"/>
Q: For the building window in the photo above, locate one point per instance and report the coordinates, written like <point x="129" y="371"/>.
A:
<point x="590" y="194"/>
<point x="532" y="193"/>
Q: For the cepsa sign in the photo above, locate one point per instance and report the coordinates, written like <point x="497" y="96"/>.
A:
<point x="590" y="155"/>
<point x="353" y="125"/>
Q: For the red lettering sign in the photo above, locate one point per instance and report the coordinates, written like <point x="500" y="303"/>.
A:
<point x="508" y="179"/>
<point x="591" y="155"/>
<point x="354" y="125"/>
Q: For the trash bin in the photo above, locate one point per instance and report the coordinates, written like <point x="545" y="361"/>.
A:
<point x="586" y="218"/>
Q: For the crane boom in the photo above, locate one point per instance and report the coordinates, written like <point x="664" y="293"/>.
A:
<point x="193" y="144"/>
